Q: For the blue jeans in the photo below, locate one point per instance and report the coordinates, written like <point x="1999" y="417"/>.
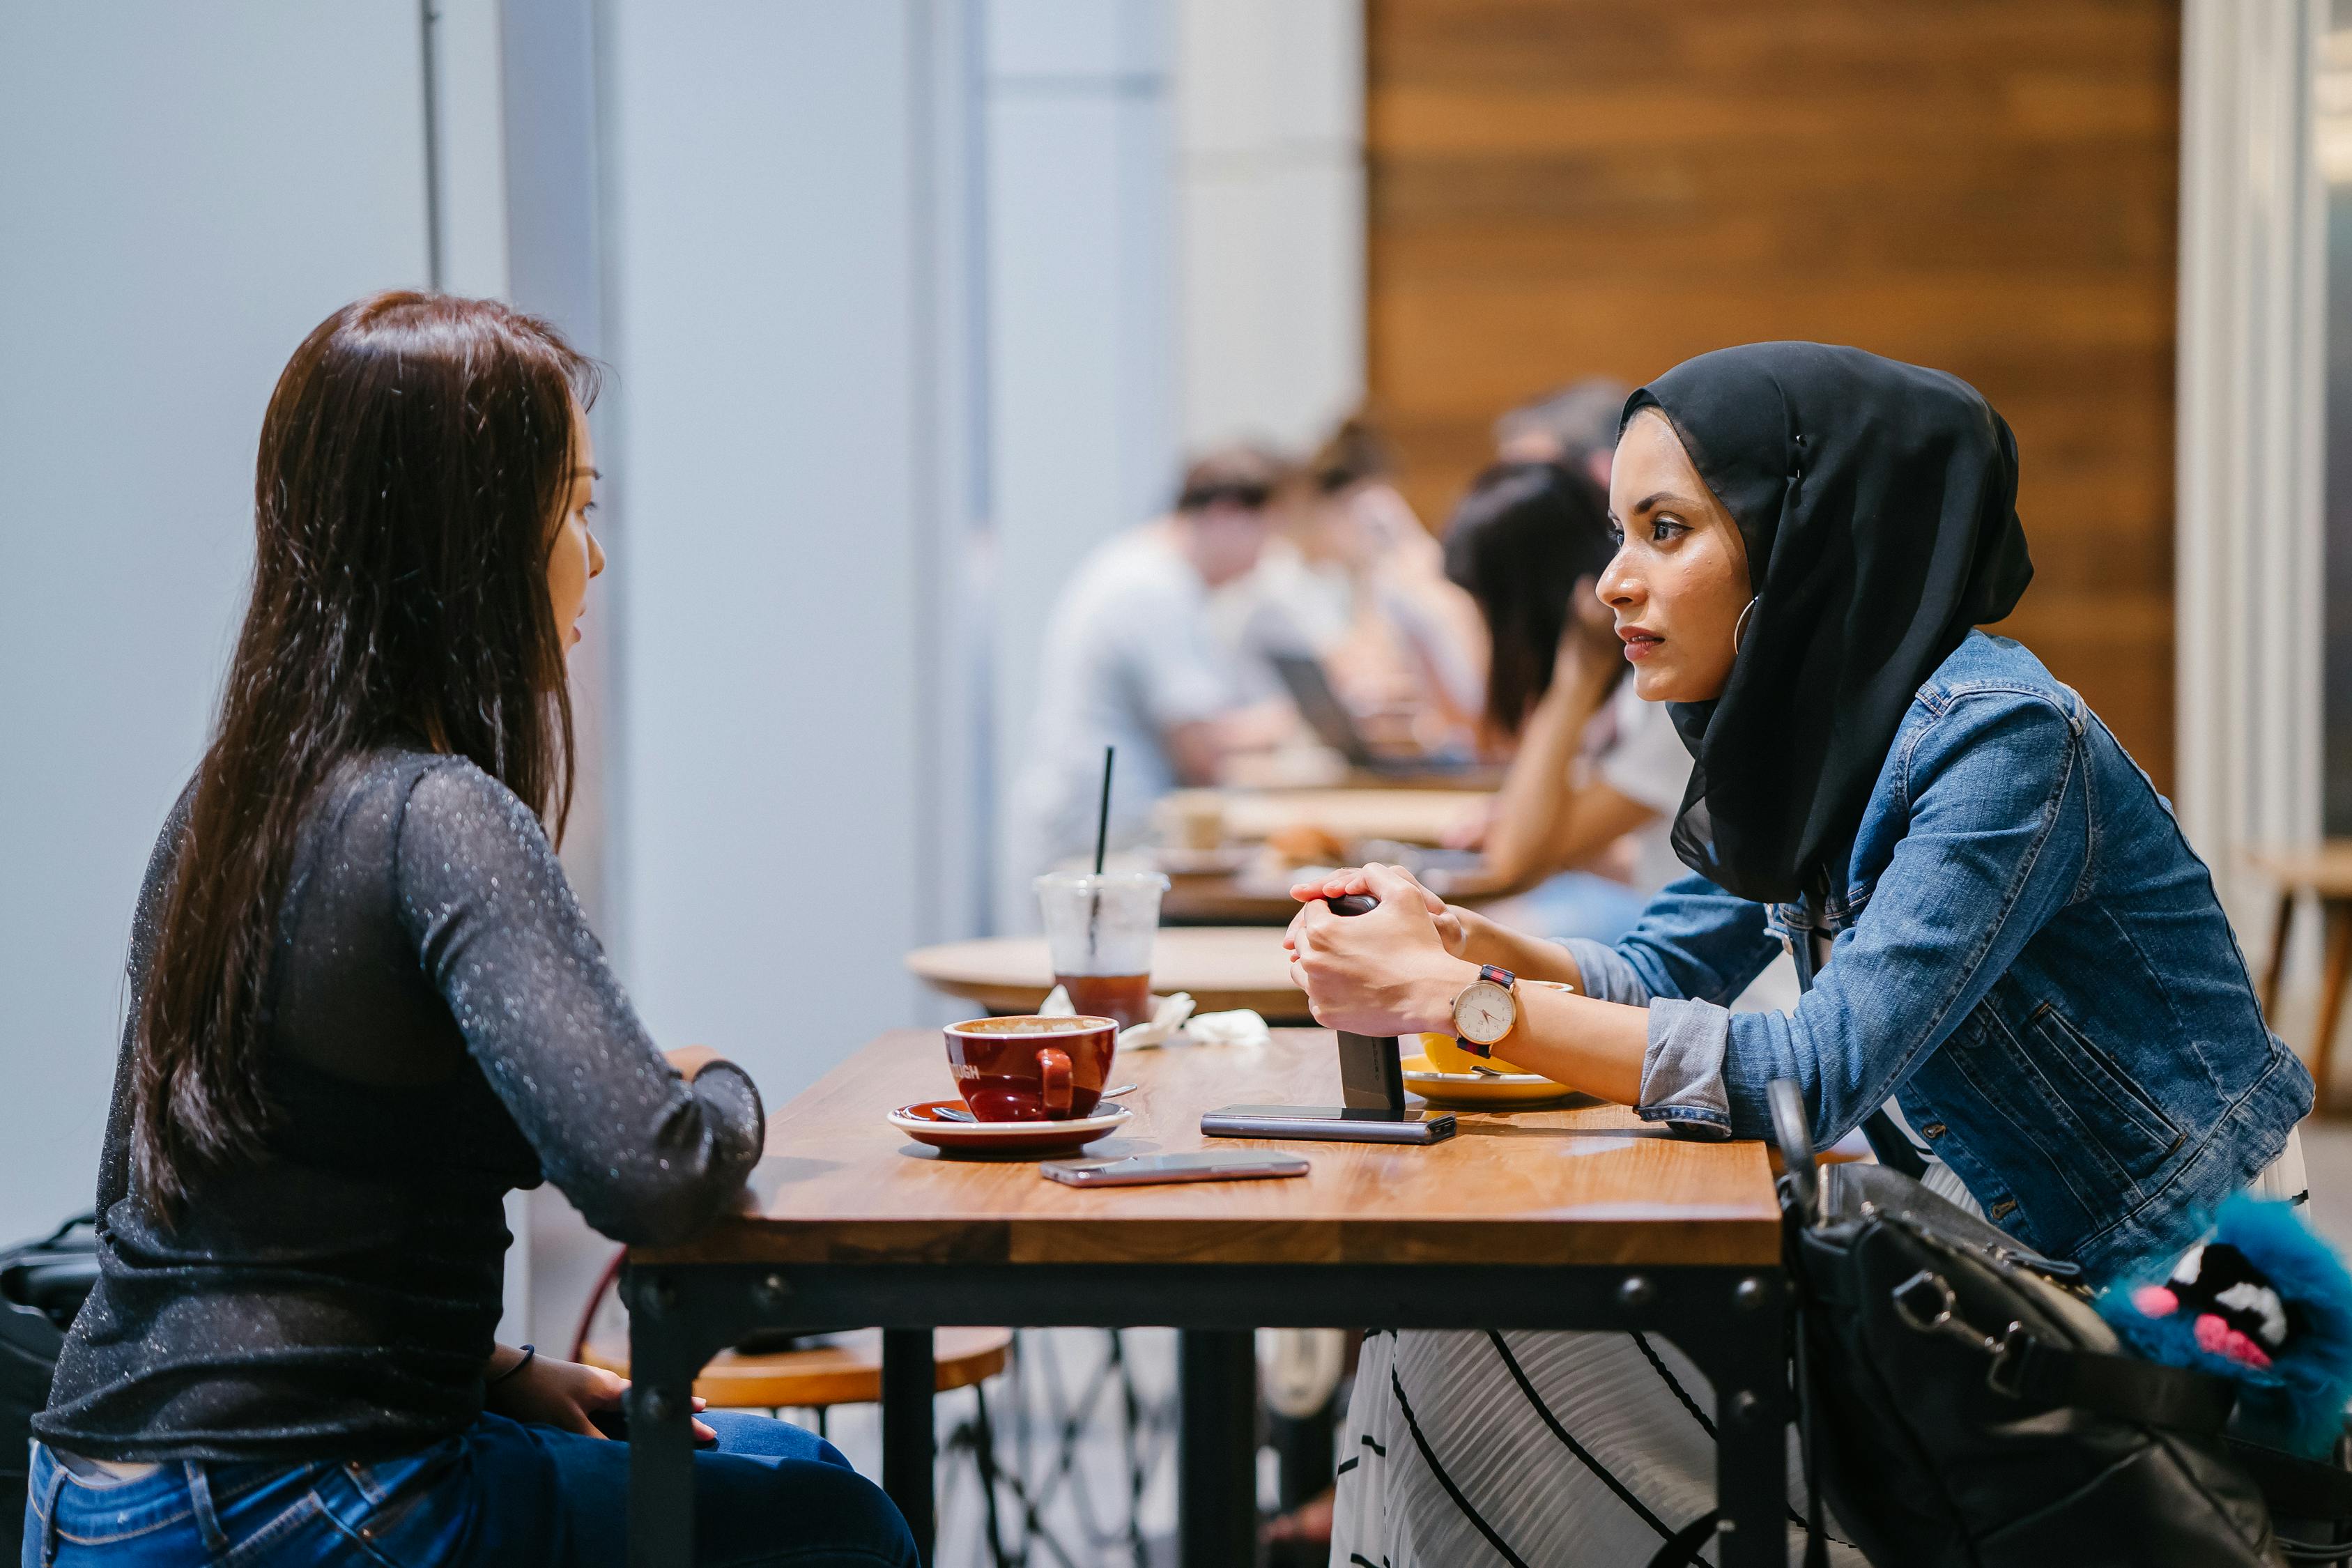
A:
<point x="499" y="1495"/>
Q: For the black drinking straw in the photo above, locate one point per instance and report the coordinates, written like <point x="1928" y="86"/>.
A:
<point x="1102" y="836"/>
<point x="1102" y="816"/>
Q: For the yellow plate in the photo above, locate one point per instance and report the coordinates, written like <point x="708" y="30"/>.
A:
<point x="1475" y="1089"/>
<point x="1445" y="1055"/>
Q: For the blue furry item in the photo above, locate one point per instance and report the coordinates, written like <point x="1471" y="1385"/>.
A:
<point x="2262" y="1302"/>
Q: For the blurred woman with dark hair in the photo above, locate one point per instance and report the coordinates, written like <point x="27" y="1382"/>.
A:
<point x="1586" y="806"/>
<point x="365" y="1006"/>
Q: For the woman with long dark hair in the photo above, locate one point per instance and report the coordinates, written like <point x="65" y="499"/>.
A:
<point x="1581" y="817"/>
<point x="365" y="1006"/>
<point x="2027" y="990"/>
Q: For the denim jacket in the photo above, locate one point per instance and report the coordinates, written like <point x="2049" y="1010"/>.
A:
<point x="2027" y="956"/>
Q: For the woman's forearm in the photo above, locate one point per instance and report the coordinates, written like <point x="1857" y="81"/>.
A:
<point x="1596" y="1046"/>
<point x="1536" y="788"/>
<point x="1530" y="957"/>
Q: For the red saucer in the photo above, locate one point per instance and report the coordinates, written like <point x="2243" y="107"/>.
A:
<point x="924" y="1124"/>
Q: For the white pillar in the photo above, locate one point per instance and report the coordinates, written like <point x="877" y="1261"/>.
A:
<point x="2251" y="366"/>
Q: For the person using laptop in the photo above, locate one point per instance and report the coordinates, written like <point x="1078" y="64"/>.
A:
<point x="1352" y="582"/>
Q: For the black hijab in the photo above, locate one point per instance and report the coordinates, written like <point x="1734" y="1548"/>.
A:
<point x="1879" y="504"/>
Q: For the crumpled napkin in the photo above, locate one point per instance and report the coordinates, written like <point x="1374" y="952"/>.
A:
<point x="1240" y="1027"/>
<point x="1172" y="1020"/>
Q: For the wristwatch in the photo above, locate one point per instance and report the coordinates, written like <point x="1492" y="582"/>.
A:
<point x="1487" y="1010"/>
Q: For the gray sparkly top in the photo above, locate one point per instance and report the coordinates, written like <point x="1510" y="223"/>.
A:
<point x="442" y="1026"/>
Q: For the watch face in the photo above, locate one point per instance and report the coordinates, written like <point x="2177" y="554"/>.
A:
<point x="1484" y="1013"/>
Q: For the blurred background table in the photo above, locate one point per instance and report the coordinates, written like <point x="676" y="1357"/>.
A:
<point x="2324" y="871"/>
<point x="1407" y="816"/>
<point x="1234" y="899"/>
<point x="1223" y="967"/>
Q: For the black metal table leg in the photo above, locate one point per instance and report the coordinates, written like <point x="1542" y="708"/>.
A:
<point x="661" y="1430"/>
<point x="909" y="1380"/>
<point x="1751" y="1401"/>
<point x="1216" y="1457"/>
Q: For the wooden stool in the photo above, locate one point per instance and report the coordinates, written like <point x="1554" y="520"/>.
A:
<point x="847" y="1370"/>
<point x="2326" y="872"/>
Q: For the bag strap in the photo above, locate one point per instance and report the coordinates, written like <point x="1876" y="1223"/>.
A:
<point x="2126" y="1387"/>
<point x="2035" y="1372"/>
<point x="1886" y="1141"/>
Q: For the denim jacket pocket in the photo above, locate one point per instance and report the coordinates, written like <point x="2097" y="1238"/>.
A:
<point x="2122" y="1115"/>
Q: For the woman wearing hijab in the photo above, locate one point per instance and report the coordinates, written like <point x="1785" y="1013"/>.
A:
<point x="2026" y="987"/>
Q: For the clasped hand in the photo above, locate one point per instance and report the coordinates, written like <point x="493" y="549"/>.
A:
<point x="562" y="1393"/>
<point x="1394" y="969"/>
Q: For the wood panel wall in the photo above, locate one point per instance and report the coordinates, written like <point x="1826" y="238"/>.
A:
<point x="1562" y="188"/>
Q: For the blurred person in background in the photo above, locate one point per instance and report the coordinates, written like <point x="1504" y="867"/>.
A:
<point x="1585" y="812"/>
<point x="364" y="1006"/>
<point x="1351" y="578"/>
<point x="1576" y="426"/>
<point x="1130" y="661"/>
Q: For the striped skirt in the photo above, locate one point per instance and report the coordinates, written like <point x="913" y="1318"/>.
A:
<point x="1446" y="1461"/>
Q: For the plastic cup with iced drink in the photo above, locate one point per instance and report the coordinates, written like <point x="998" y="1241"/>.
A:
<point x="1098" y="930"/>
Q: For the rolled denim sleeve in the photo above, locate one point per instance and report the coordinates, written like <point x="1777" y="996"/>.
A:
<point x="1682" y="1068"/>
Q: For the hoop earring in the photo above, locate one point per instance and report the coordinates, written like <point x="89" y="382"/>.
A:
<point x="1740" y="626"/>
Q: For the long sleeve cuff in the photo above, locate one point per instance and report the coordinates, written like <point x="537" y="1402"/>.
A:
<point x="739" y="1122"/>
<point x="1682" y="1068"/>
<point x="1607" y="977"/>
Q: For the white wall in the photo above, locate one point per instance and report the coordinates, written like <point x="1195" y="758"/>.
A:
<point x="770" y="311"/>
<point x="1081" y="321"/>
<point x="1270" y="211"/>
<point x="186" y="191"/>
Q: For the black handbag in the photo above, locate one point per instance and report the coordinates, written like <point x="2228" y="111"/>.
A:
<point x="42" y="1284"/>
<point x="1960" y="1403"/>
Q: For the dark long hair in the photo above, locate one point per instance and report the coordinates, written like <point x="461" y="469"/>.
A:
<point x="1517" y="544"/>
<point x="413" y="460"/>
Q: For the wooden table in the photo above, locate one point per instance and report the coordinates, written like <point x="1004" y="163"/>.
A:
<point x="2326" y="872"/>
<point x="1582" y="1217"/>
<point x="1407" y="816"/>
<point x="1260" y="771"/>
<point x="1224" y="967"/>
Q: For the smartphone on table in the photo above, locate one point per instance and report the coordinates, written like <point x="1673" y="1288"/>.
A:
<point x="1146" y="1169"/>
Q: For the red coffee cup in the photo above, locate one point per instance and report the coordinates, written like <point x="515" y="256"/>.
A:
<point x="1031" y="1069"/>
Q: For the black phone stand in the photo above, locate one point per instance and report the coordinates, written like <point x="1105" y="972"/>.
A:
<point x="1372" y="1109"/>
